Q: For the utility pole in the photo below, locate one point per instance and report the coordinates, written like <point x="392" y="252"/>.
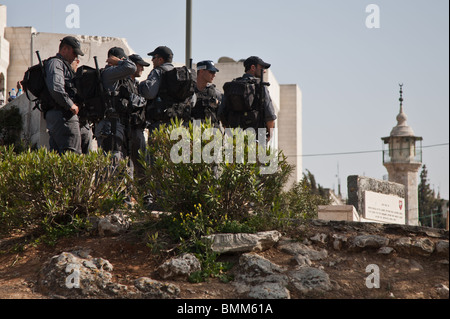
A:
<point x="188" y="32"/>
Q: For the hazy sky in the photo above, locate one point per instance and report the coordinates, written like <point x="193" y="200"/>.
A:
<point x="349" y="74"/>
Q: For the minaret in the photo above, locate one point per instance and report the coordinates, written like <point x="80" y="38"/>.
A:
<point x="403" y="161"/>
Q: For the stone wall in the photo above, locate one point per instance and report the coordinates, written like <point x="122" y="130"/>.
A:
<point x="358" y="185"/>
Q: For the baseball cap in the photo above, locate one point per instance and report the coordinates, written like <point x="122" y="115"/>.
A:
<point x="254" y="60"/>
<point x="74" y="43"/>
<point x="207" y="65"/>
<point x="162" y="51"/>
<point x="117" y="52"/>
<point x="136" y="58"/>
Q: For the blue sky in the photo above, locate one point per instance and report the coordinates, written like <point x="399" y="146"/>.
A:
<point x="348" y="73"/>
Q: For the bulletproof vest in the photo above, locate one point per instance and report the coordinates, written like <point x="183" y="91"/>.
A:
<point x="120" y="98"/>
<point x="207" y="105"/>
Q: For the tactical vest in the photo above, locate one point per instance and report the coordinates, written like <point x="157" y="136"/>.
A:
<point x="207" y="105"/>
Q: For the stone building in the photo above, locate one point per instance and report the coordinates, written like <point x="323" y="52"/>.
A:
<point x="4" y="53"/>
<point x="17" y="53"/>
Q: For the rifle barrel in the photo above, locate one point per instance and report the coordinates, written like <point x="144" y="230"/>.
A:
<point x="39" y="57"/>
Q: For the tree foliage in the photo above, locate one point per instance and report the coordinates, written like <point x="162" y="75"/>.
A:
<point x="430" y="205"/>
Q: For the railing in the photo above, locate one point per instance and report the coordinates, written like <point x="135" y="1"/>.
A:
<point x="397" y="156"/>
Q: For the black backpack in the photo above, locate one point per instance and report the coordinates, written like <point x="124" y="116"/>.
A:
<point x="34" y="82"/>
<point x="89" y="93"/>
<point x="174" y="97"/>
<point x="178" y="84"/>
<point x="241" y="94"/>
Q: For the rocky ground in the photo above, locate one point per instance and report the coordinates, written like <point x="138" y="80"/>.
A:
<point x="339" y="257"/>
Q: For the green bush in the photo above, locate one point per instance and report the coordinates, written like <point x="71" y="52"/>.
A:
<point x="45" y="190"/>
<point x="204" y="197"/>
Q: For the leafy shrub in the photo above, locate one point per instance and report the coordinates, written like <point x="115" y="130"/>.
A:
<point x="204" y="196"/>
<point x="41" y="188"/>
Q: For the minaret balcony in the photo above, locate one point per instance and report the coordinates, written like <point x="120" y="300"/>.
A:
<point x="402" y="156"/>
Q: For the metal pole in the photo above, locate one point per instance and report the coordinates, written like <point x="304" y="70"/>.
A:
<point x="188" y="31"/>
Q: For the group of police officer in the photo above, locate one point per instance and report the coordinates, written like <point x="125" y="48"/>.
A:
<point x="122" y="133"/>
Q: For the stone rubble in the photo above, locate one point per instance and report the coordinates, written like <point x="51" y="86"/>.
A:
<point x="77" y="274"/>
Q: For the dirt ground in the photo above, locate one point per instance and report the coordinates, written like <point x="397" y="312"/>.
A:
<point x="402" y="277"/>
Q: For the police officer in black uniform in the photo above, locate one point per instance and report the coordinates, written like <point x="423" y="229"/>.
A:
<point x="208" y="96"/>
<point x="62" y="117"/>
<point x="137" y="118"/>
<point x="162" y="58"/>
<point x="87" y="135"/>
<point x="254" y="66"/>
<point x="111" y="132"/>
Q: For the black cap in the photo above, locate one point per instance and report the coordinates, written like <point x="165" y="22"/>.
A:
<point x="117" y="52"/>
<point x="254" y="60"/>
<point x="207" y="65"/>
<point x="74" y="43"/>
<point x="136" y="58"/>
<point x="163" y="52"/>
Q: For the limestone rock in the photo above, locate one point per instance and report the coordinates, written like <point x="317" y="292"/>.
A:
<point x="269" y="290"/>
<point x="153" y="289"/>
<point x="442" y="290"/>
<point x="442" y="248"/>
<point x="180" y="267"/>
<point x="308" y="279"/>
<point x="403" y="244"/>
<point x="242" y="242"/>
<point x="294" y="248"/>
<point x="385" y="250"/>
<point x="422" y="246"/>
<point x="339" y="241"/>
<point x="113" y="225"/>
<point x="259" y="278"/>
<point x="369" y="241"/>
<point x="319" y="238"/>
<point x="78" y="275"/>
